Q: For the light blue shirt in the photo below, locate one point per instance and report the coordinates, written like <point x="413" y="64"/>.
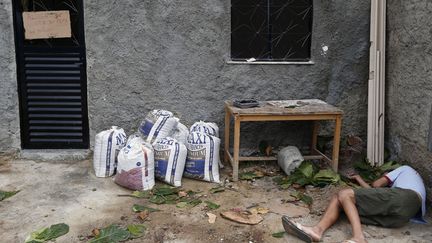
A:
<point x="407" y="178"/>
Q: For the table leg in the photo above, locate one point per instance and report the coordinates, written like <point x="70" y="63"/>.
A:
<point x="336" y="143"/>
<point x="236" y="149"/>
<point x="314" y="136"/>
<point x="227" y="135"/>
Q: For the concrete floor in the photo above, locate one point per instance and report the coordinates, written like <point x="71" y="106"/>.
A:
<point x="69" y="192"/>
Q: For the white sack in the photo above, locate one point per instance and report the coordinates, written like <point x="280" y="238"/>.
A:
<point x="289" y="158"/>
<point x="202" y="160"/>
<point x="181" y="133"/>
<point x="209" y="128"/>
<point x="135" y="169"/>
<point x="158" y="124"/>
<point x="107" y="145"/>
<point x="170" y="160"/>
<point x="133" y="136"/>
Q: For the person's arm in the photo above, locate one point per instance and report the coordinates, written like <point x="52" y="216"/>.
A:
<point x="381" y="182"/>
<point x="360" y="181"/>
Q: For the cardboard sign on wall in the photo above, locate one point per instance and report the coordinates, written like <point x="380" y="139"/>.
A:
<point x="47" y="24"/>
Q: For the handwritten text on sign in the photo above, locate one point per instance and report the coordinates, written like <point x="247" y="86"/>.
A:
<point x="47" y="24"/>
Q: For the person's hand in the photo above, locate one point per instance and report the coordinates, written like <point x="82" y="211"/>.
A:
<point x="355" y="177"/>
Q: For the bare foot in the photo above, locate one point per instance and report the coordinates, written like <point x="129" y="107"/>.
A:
<point x="356" y="240"/>
<point x="314" y="232"/>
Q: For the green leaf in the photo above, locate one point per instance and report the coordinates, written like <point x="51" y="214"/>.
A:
<point x="302" y="197"/>
<point x="46" y="234"/>
<point x="141" y="194"/>
<point x="182" y="204"/>
<point x="157" y="199"/>
<point x="388" y="166"/>
<point x="165" y="190"/>
<point x="212" y="205"/>
<point x="194" y="202"/>
<point x="296" y="195"/>
<point x="307" y="169"/>
<point x="326" y="177"/>
<point x="139" y="208"/>
<point x="136" y="230"/>
<point x="191" y="193"/>
<point x="249" y="176"/>
<point x="217" y="189"/>
<point x="285" y="186"/>
<point x="306" y="199"/>
<point x="111" y="234"/>
<point x="6" y="194"/>
<point x="279" y="234"/>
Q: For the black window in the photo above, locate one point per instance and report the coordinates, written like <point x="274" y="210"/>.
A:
<point x="271" y="30"/>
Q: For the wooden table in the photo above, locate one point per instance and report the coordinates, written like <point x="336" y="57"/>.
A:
<point x="309" y="110"/>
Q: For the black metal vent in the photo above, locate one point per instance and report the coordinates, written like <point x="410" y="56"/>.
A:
<point x="271" y="30"/>
<point x="54" y="99"/>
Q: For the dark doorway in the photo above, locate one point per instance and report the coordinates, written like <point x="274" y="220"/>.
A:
<point x="52" y="81"/>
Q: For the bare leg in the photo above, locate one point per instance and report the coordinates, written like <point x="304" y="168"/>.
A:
<point x="330" y="216"/>
<point x="347" y="200"/>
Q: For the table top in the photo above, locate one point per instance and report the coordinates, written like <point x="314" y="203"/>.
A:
<point x="287" y="107"/>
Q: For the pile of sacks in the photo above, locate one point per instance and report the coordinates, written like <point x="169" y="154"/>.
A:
<point x="163" y="148"/>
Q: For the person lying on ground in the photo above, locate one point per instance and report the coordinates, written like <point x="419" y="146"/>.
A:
<point x="392" y="201"/>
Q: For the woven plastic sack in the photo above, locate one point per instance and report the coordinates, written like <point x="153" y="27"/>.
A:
<point x="158" y="124"/>
<point x="202" y="160"/>
<point x="209" y="128"/>
<point x="181" y="133"/>
<point x="170" y="160"/>
<point x="135" y="168"/>
<point x="107" y="145"/>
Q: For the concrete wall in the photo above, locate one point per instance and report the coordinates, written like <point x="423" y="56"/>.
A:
<point x="409" y="83"/>
<point x="172" y="55"/>
<point x="9" y="113"/>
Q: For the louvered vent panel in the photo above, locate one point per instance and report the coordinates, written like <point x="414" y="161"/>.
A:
<point x="54" y="98"/>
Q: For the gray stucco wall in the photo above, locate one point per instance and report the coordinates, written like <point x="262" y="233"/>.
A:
<point x="9" y="118"/>
<point x="172" y="55"/>
<point x="409" y="83"/>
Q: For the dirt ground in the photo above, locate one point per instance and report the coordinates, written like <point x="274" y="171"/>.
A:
<point x="68" y="192"/>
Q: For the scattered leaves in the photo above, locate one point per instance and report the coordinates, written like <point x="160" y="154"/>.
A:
<point x="308" y="174"/>
<point x="217" y="189"/>
<point x="279" y="234"/>
<point x="111" y="234"/>
<point x="6" y="194"/>
<point x="136" y="230"/>
<point x="212" y="205"/>
<point x="182" y="204"/>
<point x="307" y="169"/>
<point x="302" y="197"/>
<point x="194" y="202"/>
<point x="325" y="177"/>
<point x="46" y="234"/>
<point x="164" y="199"/>
<point x="140" y="208"/>
<point x="141" y="194"/>
<point x="370" y="173"/>
<point x="143" y="215"/>
<point x="251" y="175"/>
<point x="189" y="203"/>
